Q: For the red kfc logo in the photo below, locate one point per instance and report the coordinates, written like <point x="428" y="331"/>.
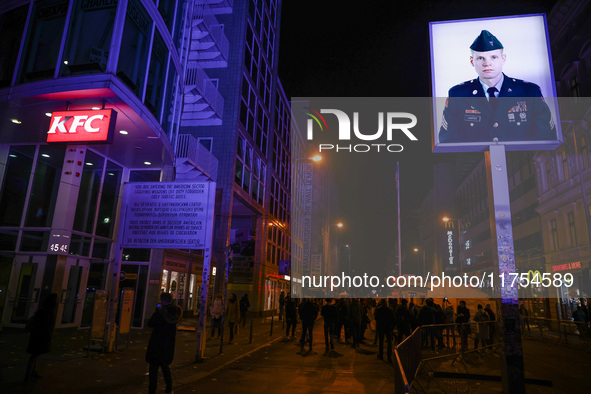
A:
<point x="82" y="126"/>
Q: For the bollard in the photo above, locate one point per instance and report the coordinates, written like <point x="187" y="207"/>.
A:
<point x="272" y="316"/>
<point x="250" y="340"/>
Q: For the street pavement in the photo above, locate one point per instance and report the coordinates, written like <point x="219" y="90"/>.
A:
<point x="272" y="363"/>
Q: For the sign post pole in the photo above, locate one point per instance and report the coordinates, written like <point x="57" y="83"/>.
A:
<point x="502" y="236"/>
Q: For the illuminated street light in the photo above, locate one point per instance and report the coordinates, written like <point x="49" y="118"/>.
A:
<point x="340" y="224"/>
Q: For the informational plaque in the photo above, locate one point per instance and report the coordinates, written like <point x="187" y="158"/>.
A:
<point x="167" y="214"/>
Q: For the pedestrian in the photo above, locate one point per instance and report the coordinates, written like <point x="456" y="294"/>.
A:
<point x="232" y="314"/>
<point x="580" y="319"/>
<point x="160" y="352"/>
<point x="308" y="314"/>
<point x="291" y="316"/>
<point x="41" y="326"/>
<point x="330" y="313"/>
<point x="403" y="320"/>
<point x="216" y="311"/>
<point x="463" y="322"/>
<point x="524" y="315"/>
<point x="343" y="321"/>
<point x="384" y="325"/>
<point x="244" y="305"/>
<point x="355" y="320"/>
<point x="281" y="304"/>
<point x="427" y="321"/>
<point x="449" y="321"/>
<point x="491" y="325"/>
<point x="481" y="319"/>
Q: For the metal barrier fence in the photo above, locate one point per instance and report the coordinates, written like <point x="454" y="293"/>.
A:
<point x="408" y="358"/>
<point x="557" y="331"/>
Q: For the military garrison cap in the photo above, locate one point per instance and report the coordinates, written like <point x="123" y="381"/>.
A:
<point x="486" y="42"/>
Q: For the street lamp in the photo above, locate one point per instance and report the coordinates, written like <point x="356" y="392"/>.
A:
<point x="422" y="255"/>
<point x="453" y="221"/>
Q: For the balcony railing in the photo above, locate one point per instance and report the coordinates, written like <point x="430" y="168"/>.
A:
<point x="190" y="149"/>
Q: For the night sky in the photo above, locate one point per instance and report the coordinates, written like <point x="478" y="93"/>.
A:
<point x="341" y="48"/>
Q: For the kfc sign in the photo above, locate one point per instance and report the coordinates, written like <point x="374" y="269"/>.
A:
<point x="82" y="126"/>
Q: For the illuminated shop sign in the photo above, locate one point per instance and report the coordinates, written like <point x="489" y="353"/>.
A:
<point x="566" y="267"/>
<point x="82" y="126"/>
<point x="450" y="242"/>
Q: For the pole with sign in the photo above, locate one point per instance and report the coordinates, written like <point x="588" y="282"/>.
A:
<point x="170" y="215"/>
<point x="502" y="237"/>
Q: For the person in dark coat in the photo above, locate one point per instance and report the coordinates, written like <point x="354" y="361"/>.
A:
<point x="41" y="327"/>
<point x="403" y="320"/>
<point x="308" y="314"/>
<point x="384" y="325"/>
<point x="330" y="314"/>
<point x="491" y="324"/>
<point x="291" y="316"/>
<point x="462" y="320"/>
<point x="160" y="351"/>
<point x="244" y="305"/>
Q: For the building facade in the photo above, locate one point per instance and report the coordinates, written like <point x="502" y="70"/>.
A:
<point x="235" y="107"/>
<point x="71" y="70"/>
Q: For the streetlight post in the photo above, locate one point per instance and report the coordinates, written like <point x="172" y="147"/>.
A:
<point x="422" y="256"/>
<point x="457" y="220"/>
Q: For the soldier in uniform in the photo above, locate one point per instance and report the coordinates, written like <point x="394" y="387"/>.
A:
<point x="494" y="107"/>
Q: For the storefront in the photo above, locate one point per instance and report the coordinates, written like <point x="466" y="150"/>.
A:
<point x="82" y="111"/>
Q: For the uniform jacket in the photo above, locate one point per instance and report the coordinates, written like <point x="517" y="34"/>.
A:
<point x="161" y="345"/>
<point x="521" y="114"/>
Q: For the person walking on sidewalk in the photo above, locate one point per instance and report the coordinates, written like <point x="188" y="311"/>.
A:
<point x="216" y="315"/>
<point x="491" y="325"/>
<point x="291" y="316"/>
<point x="41" y="327"/>
<point x="160" y="352"/>
<point x="281" y="305"/>
<point x="384" y="325"/>
<point x="330" y="314"/>
<point x="308" y="315"/>
<point x="232" y="314"/>
<point x="524" y="316"/>
<point x="244" y="305"/>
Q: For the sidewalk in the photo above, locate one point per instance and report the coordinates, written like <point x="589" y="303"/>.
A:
<point x="67" y="369"/>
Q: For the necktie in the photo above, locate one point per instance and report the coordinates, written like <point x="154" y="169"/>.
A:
<point x="492" y="99"/>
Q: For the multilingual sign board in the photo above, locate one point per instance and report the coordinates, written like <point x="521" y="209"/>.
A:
<point x="167" y="214"/>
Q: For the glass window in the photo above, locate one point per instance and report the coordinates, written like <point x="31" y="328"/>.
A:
<point x="44" y="40"/>
<point x="45" y="186"/>
<point x="88" y="194"/>
<point x="156" y="75"/>
<point x="34" y="241"/>
<point x="134" y="47"/>
<point x="572" y="232"/>
<point x="564" y="165"/>
<point x="12" y="25"/>
<point x="132" y="254"/>
<point x="170" y="119"/>
<point x="109" y="198"/>
<point x="16" y="184"/>
<point x="80" y="245"/>
<point x="89" y="37"/>
<point x="554" y="230"/>
<point x="167" y="8"/>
